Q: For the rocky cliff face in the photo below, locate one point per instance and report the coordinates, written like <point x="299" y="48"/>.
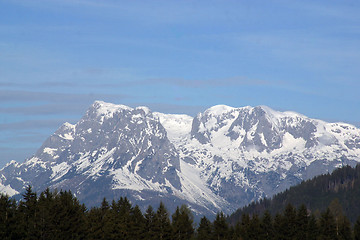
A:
<point x="220" y="160"/>
<point x="246" y="153"/>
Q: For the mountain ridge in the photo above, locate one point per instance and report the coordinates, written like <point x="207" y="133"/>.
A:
<point x="221" y="159"/>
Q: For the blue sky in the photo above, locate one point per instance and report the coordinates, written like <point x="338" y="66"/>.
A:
<point x="58" y="56"/>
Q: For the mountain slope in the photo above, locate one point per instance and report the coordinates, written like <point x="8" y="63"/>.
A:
<point x="112" y="151"/>
<point x="245" y="153"/>
<point x="220" y="160"/>
<point x="317" y="194"/>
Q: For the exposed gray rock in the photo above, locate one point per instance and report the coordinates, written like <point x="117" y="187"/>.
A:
<point x="225" y="158"/>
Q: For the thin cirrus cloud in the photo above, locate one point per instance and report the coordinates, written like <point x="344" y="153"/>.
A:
<point x="339" y="10"/>
<point x="197" y="83"/>
<point x="33" y="96"/>
<point x="180" y="82"/>
<point x="146" y="12"/>
<point x="57" y="57"/>
<point x="31" y="125"/>
<point x="46" y="109"/>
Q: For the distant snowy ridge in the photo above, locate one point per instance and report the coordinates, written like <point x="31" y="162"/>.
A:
<point x="221" y="159"/>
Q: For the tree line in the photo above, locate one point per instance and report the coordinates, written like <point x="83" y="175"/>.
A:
<point x="59" y="215"/>
<point x="317" y="194"/>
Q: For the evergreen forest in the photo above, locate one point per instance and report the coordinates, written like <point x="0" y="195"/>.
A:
<point x="340" y="191"/>
<point x="59" y="215"/>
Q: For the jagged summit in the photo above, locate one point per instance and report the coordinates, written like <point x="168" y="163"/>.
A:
<point x="218" y="110"/>
<point x="221" y="159"/>
<point x="104" y="107"/>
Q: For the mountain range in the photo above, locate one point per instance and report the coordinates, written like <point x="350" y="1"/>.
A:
<point x="220" y="160"/>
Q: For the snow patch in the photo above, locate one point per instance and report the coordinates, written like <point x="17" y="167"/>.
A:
<point x="219" y="109"/>
<point x="108" y="109"/>
<point x="177" y="126"/>
<point x="12" y="162"/>
<point x="124" y="179"/>
<point x="67" y="136"/>
<point x="50" y="151"/>
<point x="8" y="190"/>
<point x="145" y="109"/>
<point x="59" y="170"/>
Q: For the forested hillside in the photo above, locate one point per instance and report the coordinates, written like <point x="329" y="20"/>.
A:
<point x="59" y="215"/>
<point x="339" y="190"/>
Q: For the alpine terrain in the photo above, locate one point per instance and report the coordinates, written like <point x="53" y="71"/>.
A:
<point x="222" y="159"/>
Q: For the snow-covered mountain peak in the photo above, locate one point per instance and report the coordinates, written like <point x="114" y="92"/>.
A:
<point x="12" y="162"/>
<point x="218" y="110"/>
<point x="279" y="114"/>
<point x="107" y="109"/>
<point x="222" y="159"/>
<point x="146" y="110"/>
<point x="178" y="126"/>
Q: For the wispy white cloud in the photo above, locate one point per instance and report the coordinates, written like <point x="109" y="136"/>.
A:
<point x="347" y="10"/>
<point x="33" y="125"/>
<point x="175" y="57"/>
<point x="33" y="96"/>
<point x="47" y="109"/>
<point x="146" y="12"/>
<point x="204" y="83"/>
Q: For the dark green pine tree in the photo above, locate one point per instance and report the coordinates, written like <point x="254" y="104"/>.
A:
<point x="124" y="218"/>
<point x="266" y="227"/>
<point x="182" y="223"/>
<point x="220" y="227"/>
<point x="255" y="231"/>
<point x="137" y="224"/>
<point x="357" y="229"/>
<point x="28" y="213"/>
<point x="242" y="229"/>
<point x="204" y="231"/>
<point x="7" y="218"/>
<point x="111" y="220"/>
<point x="177" y="231"/>
<point x="279" y="226"/>
<point x="302" y="221"/>
<point x="231" y="233"/>
<point x="327" y="226"/>
<point x="344" y="229"/>
<point x="289" y="222"/>
<point x="104" y="212"/>
<point x="69" y="217"/>
<point x="343" y="226"/>
<point x="337" y="211"/>
<point x="96" y="218"/>
<point x="45" y="219"/>
<point x="312" y="228"/>
<point x="118" y="220"/>
<point x="149" y="223"/>
<point x="237" y="231"/>
<point x="94" y="223"/>
<point x="162" y="226"/>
